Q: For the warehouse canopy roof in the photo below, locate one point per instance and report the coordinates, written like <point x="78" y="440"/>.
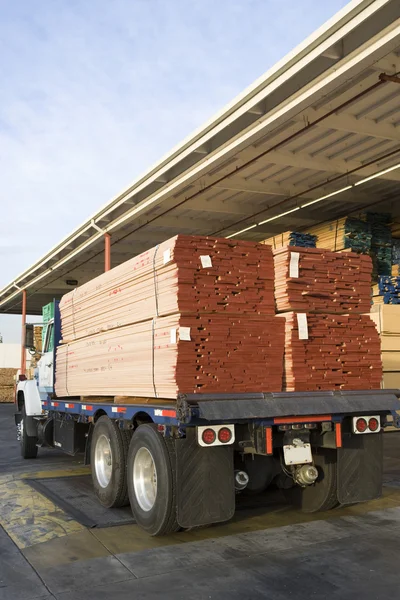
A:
<point x="315" y="138"/>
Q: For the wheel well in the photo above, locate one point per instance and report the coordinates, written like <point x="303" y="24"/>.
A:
<point x="99" y="413"/>
<point x="20" y="400"/>
<point x="140" y="418"/>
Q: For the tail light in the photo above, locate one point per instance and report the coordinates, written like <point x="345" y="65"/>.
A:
<point x="224" y="435"/>
<point x="373" y="424"/>
<point x="367" y="424"/>
<point x="216" y="435"/>
<point x="208" y="436"/>
<point x="361" y="425"/>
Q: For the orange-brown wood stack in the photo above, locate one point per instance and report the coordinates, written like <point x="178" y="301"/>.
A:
<point x="311" y="279"/>
<point x="340" y="352"/>
<point x="329" y="345"/>
<point x="196" y="314"/>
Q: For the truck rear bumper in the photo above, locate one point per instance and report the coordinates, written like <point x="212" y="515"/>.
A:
<point x="236" y="407"/>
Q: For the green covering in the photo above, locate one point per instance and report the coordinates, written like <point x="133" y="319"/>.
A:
<point x="48" y="315"/>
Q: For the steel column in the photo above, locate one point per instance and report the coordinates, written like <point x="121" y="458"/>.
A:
<point x="107" y="252"/>
<point x="23" y="349"/>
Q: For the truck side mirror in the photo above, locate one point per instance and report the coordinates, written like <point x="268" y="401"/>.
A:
<point x="29" y="337"/>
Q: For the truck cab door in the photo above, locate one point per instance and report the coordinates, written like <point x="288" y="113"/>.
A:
<point x="46" y="362"/>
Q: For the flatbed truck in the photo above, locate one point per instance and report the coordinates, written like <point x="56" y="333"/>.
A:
<point x="181" y="463"/>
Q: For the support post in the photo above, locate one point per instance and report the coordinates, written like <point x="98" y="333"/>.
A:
<point x="23" y="349"/>
<point x="107" y="252"/>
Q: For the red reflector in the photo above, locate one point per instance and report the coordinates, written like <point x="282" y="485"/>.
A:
<point x="224" y="435"/>
<point x="361" y="425"/>
<point x="208" y="436"/>
<point x="373" y="424"/>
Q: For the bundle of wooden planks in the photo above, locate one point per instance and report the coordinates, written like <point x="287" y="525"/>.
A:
<point x="387" y="320"/>
<point x="316" y="280"/>
<point x="161" y="357"/>
<point x="186" y="274"/>
<point x="292" y="238"/>
<point x="347" y="233"/>
<point x="7" y="384"/>
<point x="193" y="315"/>
<point x="330" y="352"/>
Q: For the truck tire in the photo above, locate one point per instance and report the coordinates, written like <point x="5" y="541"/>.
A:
<point x="29" y="447"/>
<point x="322" y="495"/>
<point x="108" y="455"/>
<point x="152" y="481"/>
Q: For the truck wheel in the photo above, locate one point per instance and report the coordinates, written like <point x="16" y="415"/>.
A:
<point x="152" y="481"/>
<point x="108" y="454"/>
<point x="322" y="495"/>
<point x="29" y="448"/>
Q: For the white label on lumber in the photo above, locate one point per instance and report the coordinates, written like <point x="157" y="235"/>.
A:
<point x="294" y="264"/>
<point x="302" y="325"/>
<point x="167" y="256"/>
<point x="184" y="333"/>
<point x="206" y="261"/>
<point x="173" y="336"/>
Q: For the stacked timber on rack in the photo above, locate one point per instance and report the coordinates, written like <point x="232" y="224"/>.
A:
<point x="311" y="279"/>
<point x="292" y="238"/>
<point x="387" y="320"/>
<point x="37" y="341"/>
<point x="193" y="315"/>
<point x="386" y="291"/>
<point x="381" y="243"/>
<point x="328" y="344"/>
<point x="7" y="384"/>
<point x="176" y="354"/>
<point x="331" y="352"/>
<point x="186" y="274"/>
<point x="347" y="233"/>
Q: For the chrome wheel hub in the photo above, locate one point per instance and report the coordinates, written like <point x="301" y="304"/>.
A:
<point x="145" y="479"/>
<point x="103" y="461"/>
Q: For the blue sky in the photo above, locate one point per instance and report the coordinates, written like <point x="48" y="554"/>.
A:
<point x="95" y="91"/>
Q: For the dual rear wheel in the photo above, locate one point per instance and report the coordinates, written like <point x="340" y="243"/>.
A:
<point x="138" y="470"/>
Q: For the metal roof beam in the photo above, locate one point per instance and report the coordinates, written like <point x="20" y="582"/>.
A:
<point x="350" y="124"/>
<point x="390" y="64"/>
<point x="258" y="187"/>
<point x="305" y="161"/>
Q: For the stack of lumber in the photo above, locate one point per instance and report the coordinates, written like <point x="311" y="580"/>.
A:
<point x="315" y="280"/>
<point x="387" y="320"/>
<point x="381" y="242"/>
<point x="346" y="233"/>
<point x="292" y="238"/>
<point x="186" y="274"/>
<point x="395" y="271"/>
<point x="395" y="227"/>
<point x="37" y="340"/>
<point x="7" y="384"/>
<point x="175" y="354"/>
<point x="386" y="291"/>
<point x="331" y="352"/>
<point x="37" y="337"/>
<point x="193" y="315"/>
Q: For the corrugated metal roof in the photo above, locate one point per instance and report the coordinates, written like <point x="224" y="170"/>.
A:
<point x="320" y="120"/>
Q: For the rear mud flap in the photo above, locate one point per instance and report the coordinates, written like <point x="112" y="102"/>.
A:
<point x="205" y="482"/>
<point x="360" y="466"/>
